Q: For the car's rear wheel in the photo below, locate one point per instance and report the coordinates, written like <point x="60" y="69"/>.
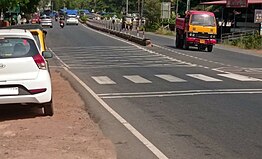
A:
<point x="48" y="108"/>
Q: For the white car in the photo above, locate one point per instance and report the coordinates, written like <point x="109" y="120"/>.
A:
<point x="46" y="21"/>
<point x="24" y="74"/>
<point x="71" y="19"/>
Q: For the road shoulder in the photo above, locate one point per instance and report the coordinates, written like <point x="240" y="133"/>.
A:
<point x="70" y="133"/>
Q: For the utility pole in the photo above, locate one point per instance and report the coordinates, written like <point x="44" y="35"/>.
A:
<point x="176" y="18"/>
<point x="126" y="7"/>
<point x="176" y="8"/>
<point x="142" y="8"/>
<point x="187" y="5"/>
<point x="95" y="6"/>
<point x="139" y="7"/>
<point x="139" y="12"/>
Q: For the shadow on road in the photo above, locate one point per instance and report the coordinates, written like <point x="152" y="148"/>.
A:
<point x="190" y="48"/>
<point x="14" y="112"/>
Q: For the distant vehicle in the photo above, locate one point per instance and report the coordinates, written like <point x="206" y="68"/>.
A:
<point x="198" y="28"/>
<point x="71" y="19"/>
<point x="35" y="19"/>
<point x="46" y="21"/>
<point x="62" y="24"/>
<point x="61" y="17"/>
<point x="25" y="78"/>
<point x="47" y="12"/>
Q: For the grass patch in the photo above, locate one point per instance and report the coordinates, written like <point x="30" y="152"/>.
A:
<point x="84" y="18"/>
<point x="248" y="42"/>
<point x="164" y="31"/>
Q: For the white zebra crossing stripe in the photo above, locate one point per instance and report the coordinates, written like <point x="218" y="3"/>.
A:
<point x="170" y="78"/>
<point x="204" y="77"/>
<point x="103" y="80"/>
<point x="137" y="79"/>
<point x="239" y="77"/>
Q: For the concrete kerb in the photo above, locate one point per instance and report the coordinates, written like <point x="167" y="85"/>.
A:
<point x="135" y="39"/>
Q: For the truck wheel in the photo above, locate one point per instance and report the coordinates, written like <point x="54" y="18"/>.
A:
<point x="210" y="48"/>
<point x="201" y="47"/>
<point x="48" y="109"/>
<point x="177" y="41"/>
<point x="185" y="45"/>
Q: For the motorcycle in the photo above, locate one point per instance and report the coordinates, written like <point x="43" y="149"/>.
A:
<point x="62" y="24"/>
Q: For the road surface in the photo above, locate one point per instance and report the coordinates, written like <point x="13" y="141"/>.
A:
<point x="163" y="102"/>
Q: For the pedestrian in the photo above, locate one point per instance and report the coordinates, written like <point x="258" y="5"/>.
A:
<point x="19" y="19"/>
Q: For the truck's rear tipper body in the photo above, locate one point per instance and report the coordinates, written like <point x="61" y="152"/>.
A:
<point x="198" y="28"/>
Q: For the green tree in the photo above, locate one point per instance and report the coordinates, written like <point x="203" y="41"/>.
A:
<point x="27" y="6"/>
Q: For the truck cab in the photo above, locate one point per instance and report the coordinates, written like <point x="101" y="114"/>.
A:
<point x="198" y="28"/>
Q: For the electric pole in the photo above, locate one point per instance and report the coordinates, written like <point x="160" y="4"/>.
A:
<point x="187" y="5"/>
<point x="142" y="8"/>
<point x="176" y="18"/>
<point x="126" y="7"/>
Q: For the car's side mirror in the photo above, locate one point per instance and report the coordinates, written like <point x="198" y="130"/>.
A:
<point x="47" y="54"/>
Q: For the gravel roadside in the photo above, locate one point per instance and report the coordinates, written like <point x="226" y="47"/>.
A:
<point x="70" y="133"/>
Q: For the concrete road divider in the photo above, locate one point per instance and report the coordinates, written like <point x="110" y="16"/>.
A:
<point x="133" y="38"/>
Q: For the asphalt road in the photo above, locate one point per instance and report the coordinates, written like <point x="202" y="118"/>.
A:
<point x="185" y="104"/>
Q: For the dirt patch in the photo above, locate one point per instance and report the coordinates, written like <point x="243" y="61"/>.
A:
<point x="70" y="133"/>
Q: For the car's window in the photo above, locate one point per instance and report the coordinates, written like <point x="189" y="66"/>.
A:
<point x="17" y="47"/>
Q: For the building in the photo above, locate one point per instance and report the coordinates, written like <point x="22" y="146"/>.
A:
<point x="238" y="17"/>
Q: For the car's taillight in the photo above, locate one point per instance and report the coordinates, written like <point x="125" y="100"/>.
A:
<point x="40" y="61"/>
<point x="35" y="91"/>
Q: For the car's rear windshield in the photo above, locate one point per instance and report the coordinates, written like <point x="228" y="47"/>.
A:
<point x="203" y="19"/>
<point x="71" y="16"/>
<point x="17" y="47"/>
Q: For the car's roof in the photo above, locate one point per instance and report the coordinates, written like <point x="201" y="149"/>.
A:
<point x="16" y="33"/>
<point x="26" y="26"/>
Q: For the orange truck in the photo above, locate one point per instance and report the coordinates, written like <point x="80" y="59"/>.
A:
<point x="198" y="28"/>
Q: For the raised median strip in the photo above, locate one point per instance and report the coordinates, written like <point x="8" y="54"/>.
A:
<point x="133" y="38"/>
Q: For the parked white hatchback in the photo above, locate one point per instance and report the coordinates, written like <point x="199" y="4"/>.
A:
<point x="24" y="75"/>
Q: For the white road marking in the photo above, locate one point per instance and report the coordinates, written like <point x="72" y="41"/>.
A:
<point x="103" y="80"/>
<point x="140" y="47"/>
<point x="136" y="133"/>
<point x="179" y="93"/>
<point x="59" y="58"/>
<point x="170" y="78"/>
<point x="122" y="65"/>
<point x="172" y="59"/>
<point x="190" y="56"/>
<point x="137" y="79"/>
<point x="204" y="77"/>
<point x="239" y="77"/>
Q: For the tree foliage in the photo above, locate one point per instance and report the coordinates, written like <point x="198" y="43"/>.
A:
<point x="26" y="6"/>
